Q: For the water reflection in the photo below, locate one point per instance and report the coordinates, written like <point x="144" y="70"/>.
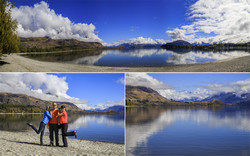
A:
<point x="17" y="122"/>
<point x="108" y="128"/>
<point x="138" y="57"/>
<point x="148" y="125"/>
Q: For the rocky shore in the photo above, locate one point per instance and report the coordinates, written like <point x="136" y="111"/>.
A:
<point x="24" y="143"/>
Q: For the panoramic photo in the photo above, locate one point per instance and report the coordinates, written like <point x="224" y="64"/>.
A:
<point x="58" y="114"/>
<point x="188" y="114"/>
<point x="125" y="36"/>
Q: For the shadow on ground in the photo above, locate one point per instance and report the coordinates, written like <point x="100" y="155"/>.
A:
<point x="3" y="63"/>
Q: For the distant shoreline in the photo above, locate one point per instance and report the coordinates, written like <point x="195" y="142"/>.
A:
<point x="21" y="113"/>
<point x="21" y="143"/>
<point x="17" y="63"/>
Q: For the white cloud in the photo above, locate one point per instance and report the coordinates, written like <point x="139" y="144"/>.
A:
<point x="143" y="79"/>
<point x="202" y="92"/>
<point x="121" y="80"/>
<point x="139" y="40"/>
<point x="107" y="104"/>
<point x="46" y="87"/>
<point x="227" y="20"/>
<point x="39" y="85"/>
<point x="41" y="21"/>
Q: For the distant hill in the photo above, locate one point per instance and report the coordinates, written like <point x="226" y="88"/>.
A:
<point x="12" y="101"/>
<point x="138" y="95"/>
<point x="115" y="108"/>
<point x="179" y="43"/>
<point x="23" y="103"/>
<point x="180" y="46"/>
<point x="230" y="98"/>
<point x="140" y="46"/>
<point x="48" y="43"/>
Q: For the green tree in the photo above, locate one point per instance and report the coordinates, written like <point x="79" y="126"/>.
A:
<point x="9" y="40"/>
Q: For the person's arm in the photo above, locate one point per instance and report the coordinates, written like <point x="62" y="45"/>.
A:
<point x="60" y="114"/>
<point x="48" y="114"/>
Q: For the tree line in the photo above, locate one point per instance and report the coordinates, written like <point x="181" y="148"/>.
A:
<point x="9" y="40"/>
<point x="10" y="108"/>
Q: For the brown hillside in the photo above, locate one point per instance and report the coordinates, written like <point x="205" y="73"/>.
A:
<point x="25" y="100"/>
<point x="45" y="43"/>
<point x="144" y="96"/>
<point x="138" y="95"/>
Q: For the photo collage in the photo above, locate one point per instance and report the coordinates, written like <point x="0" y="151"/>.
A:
<point x="125" y="77"/>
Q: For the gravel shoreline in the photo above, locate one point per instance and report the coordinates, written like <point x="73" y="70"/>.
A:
<point x="17" y="63"/>
<point x="23" y="143"/>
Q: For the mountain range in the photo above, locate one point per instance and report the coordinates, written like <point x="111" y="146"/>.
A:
<point x="24" y="103"/>
<point x="184" y="45"/>
<point x="139" y="95"/>
<point x="38" y="44"/>
<point x="230" y="98"/>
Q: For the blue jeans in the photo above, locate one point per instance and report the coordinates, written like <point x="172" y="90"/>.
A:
<point x="40" y="130"/>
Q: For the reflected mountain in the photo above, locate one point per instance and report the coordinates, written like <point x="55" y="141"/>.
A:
<point x="17" y="122"/>
<point x="136" y="57"/>
<point x="142" y="124"/>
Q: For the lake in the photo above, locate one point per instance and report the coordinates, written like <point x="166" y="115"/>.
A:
<point x="136" y="57"/>
<point x="108" y="128"/>
<point x="187" y="131"/>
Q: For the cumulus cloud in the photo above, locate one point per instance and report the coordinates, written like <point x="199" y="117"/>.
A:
<point x="41" y="21"/>
<point x="143" y="79"/>
<point x="139" y="40"/>
<point x="46" y="87"/>
<point x="225" y="21"/>
<point x="202" y="92"/>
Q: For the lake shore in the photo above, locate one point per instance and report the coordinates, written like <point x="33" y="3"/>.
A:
<point x="17" y="63"/>
<point x="24" y="143"/>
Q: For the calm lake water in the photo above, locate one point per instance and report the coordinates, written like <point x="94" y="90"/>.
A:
<point x="137" y="57"/>
<point x="183" y="131"/>
<point x="108" y="128"/>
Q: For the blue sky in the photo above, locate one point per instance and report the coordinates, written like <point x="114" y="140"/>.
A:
<point x="196" y="86"/>
<point x="96" y="88"/>
<point x="192" y="81"/>
<point x="122" y="19"/>
<point x="86" y="90"/>
<point x="196" y="21"/>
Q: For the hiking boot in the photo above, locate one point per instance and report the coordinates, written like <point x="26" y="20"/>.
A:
<point x="29" y="124"/>
<point x="75" y="134"/>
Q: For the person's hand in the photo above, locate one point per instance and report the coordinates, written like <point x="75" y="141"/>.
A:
<point x="48" y="126"/>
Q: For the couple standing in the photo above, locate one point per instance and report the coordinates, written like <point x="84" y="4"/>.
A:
<point x="57" y="119"/>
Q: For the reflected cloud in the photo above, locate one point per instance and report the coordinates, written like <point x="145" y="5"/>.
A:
<point x="199" y="57"/>
<point x="170" y="56"/>
<point x="91" y="60"/>
<point x="83" y="121"/>
<point x="137" y="134"/>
